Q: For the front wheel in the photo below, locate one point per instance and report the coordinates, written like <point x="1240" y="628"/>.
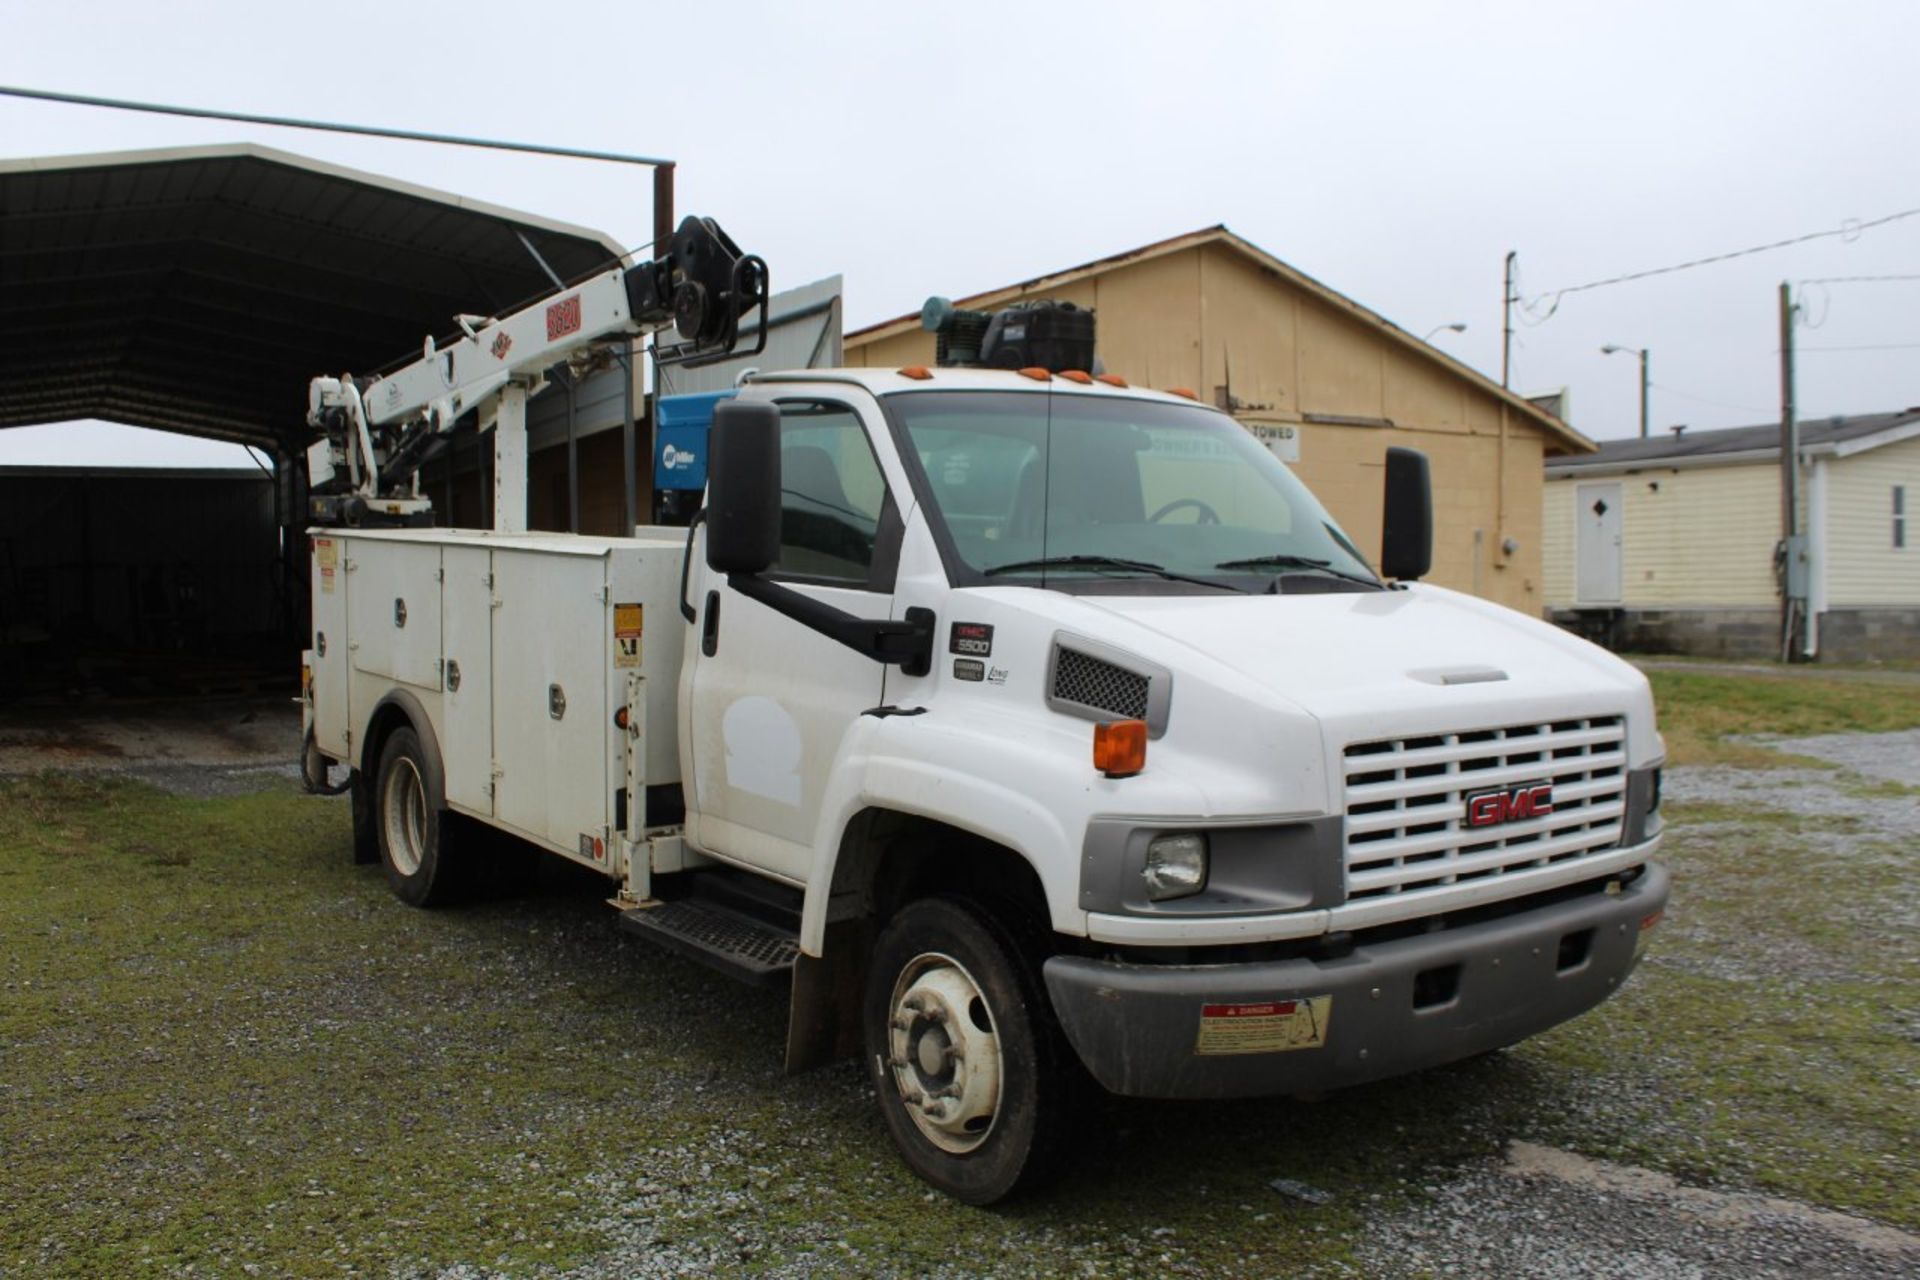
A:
<point x="963" y="1052"/>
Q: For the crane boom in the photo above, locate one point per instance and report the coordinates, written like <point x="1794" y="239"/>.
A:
<point x="377" y="432"/>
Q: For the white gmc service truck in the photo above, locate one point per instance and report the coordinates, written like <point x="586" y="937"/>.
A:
<point x="1027" y="725"/>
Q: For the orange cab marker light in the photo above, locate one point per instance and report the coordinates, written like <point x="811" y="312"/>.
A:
<point x="1075" y="375"/>
<point x="1182" y="391"/>
<point x="1111" y="379"/>
<point x="1035" y="372"/>
<point x="918" y="372"/>
<point x="1120" y="747"/>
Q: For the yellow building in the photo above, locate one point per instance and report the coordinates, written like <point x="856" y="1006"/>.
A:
<point x="1215" y="314"/>
<point x="1669" y="544"/>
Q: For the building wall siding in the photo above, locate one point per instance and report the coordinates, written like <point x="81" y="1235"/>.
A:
<point x="1864" y="568"/>
<point x="1209" y="319"/>
<point x="1700" y="536"/>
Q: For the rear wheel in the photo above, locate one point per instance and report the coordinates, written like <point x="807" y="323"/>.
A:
<point x="963" y="1053"/>
<point x="411" y="824"/>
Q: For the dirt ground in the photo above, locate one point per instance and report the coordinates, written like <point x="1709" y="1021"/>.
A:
<point x="189" y="746"/>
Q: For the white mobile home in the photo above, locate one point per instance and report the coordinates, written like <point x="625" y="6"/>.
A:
<point x="1670" y="544"/>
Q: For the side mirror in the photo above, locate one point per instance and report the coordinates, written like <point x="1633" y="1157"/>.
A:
<point x="1406" y="534"/>
<point x="743" y="487"/>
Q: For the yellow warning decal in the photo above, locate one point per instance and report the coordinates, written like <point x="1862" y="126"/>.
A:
<point x="628" y="622"/>
<point x="1269" y="1026"/>
<point x="326" y="556"/>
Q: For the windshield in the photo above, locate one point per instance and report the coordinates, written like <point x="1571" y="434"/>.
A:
<point x="1040" y="486"/>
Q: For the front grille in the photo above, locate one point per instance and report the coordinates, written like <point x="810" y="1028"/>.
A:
<point x="1406" y="827"/>
<point x="1093" y="682"/>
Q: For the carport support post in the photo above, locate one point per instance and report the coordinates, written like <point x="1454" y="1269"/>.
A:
<point x="630" y="462"/>
<point x="510" y="461"/>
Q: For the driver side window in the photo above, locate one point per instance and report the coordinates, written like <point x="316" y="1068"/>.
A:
<point x="831" y="494"/>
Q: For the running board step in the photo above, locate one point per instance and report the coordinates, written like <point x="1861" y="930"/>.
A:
<point x="736" y="944"/>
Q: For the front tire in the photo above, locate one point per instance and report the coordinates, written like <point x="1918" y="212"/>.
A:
<point x="411" y="823"/>
<point x="962" y="1051"/>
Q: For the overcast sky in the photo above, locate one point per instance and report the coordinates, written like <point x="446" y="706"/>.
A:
<point x="1395" y="151"/>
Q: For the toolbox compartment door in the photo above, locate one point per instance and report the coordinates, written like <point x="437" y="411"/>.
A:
<point x="466" y="609"/>
<point x="551" y="629"/>
<point x="393" y="606"/>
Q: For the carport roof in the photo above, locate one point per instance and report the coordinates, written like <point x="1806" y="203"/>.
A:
<point x="198" y="289"/>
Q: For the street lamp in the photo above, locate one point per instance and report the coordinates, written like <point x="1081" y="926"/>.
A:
<point x="1458" y="326"/>
<point x="1612" y="349"/>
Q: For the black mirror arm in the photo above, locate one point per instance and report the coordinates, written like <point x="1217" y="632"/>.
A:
<point x="908" y="643"/>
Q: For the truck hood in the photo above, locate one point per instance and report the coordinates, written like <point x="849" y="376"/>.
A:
<point x="1383" y="663"/>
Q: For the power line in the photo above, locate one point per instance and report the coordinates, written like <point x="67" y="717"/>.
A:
<point x="1872" y="346"/>
<point x="1849" y="229"/>
<point x="289" y="122"/>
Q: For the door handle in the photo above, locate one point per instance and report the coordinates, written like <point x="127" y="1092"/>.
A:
<point x="710" y="629"/>
<point x="686" y="564"/>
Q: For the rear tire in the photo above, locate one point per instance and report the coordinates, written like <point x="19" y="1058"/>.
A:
<point x="412" y="824"/>
<point x="963" y="1052"/>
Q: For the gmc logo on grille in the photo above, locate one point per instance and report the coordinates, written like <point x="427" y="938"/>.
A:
<point x="1509" y="804"/>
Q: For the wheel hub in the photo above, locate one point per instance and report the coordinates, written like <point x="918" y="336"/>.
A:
<point x="405" y="803"/>
<point x="944" y="1053"/>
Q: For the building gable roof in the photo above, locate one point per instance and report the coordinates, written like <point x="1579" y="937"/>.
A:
<point x="1840" y="435"/>
<point x="1562" y="435"/>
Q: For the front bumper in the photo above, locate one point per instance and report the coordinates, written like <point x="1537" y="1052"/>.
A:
<point x="1384" y="1009"/>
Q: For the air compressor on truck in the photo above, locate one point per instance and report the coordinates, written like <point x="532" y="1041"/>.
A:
<point x="1035" y="731"/>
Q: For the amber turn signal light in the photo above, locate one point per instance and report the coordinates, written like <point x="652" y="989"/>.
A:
<point x="1120" y="748"/>
<point x="918" y="372"/>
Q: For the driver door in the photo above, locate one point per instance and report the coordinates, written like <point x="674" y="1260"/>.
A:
<point x="766" y="702"/>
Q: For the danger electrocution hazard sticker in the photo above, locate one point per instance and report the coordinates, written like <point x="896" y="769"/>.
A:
<point x="1268" y="1026"/>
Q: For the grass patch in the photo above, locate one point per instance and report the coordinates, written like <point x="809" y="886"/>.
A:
<point x="1701" y="713"/>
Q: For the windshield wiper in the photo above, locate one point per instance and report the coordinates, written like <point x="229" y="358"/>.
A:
<point x="1109" y="562"/>
<point x="1284" y="560"/>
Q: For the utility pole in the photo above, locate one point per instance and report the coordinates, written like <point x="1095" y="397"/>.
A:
<point x="1643" y="393"/>
<point x="1792" y="577"/>
<point x="1614" y="348"/>
<point x="1506" y="320"/>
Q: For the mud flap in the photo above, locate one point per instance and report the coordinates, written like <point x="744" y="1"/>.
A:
<point x="823" y="1017"/>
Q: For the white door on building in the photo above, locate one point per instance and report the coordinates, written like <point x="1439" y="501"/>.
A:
<point x="1597" y="556"/>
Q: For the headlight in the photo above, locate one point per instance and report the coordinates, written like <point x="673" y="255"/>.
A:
<point x="1176" y="866"/>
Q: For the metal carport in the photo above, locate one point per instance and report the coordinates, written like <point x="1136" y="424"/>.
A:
<point x="198" y="289"/>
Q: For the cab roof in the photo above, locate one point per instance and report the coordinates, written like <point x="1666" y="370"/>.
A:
<point x="943" y="378"/>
